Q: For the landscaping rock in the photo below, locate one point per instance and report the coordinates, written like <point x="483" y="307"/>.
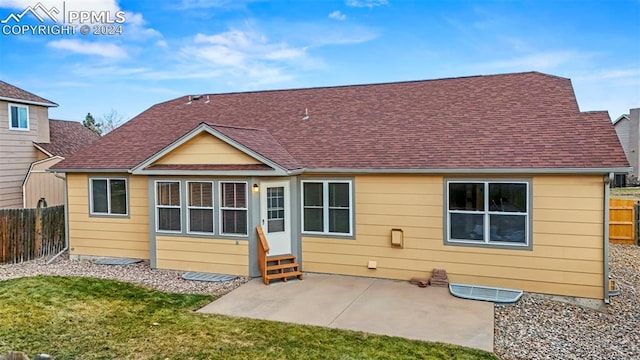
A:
<point x="14" y="355"/>
<point x="139" y="273"/>
<point x="538" y="327"/>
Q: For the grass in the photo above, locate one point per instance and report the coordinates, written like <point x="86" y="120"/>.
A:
<point x="87" y="318"/>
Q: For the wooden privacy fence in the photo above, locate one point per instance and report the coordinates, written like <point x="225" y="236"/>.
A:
<point x="623" y="221"/>
<point x="27" y="234"/>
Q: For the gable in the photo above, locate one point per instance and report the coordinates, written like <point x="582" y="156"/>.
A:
<point x="205" y="148"/>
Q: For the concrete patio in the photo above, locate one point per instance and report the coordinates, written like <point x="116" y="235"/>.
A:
<point x="385" y="307"/>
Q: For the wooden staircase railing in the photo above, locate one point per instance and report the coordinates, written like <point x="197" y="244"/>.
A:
<point x="277" y="266"/>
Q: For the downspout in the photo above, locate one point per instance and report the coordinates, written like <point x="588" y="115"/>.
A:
<point x="605" y="248"/>
<point x="66" y="219"/>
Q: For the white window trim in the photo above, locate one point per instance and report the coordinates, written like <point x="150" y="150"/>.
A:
<point x="9" y="106"/>
<point x="108" y="213"/>
<point x="189" y="207"/>
<point x="157" y="207"/>
<point x="221" y="208"/>
<point x="325" y="207"/>
<point x="487" y="213"/>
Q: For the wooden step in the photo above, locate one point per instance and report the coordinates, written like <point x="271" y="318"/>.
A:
<point x="283" y="275"/>
<point x="282" y="266"/>
<point x="279" y="258"/>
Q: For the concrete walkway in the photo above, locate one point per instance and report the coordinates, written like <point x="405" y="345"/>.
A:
<point x="377" y="306"/>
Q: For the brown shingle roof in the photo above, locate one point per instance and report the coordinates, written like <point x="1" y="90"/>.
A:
<point x="67" y="137"/>
<point x="510" y="121"/>
<point x="9" y="91"/>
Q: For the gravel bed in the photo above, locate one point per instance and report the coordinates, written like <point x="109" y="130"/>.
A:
<point x="139" y="273"/>
<point x="539" y="328"/>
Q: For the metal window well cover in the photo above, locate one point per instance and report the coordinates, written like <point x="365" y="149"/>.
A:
<point x="196" y="276"/>
<point x="485" y="293"/>
<point x="116" y="261"/>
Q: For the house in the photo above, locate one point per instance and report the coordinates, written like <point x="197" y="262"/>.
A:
<point x="66" y="137"/>
<point x="628" y="130"/>
<point x="29" y="144"/>
<point x="24" y="120"/>
<point x="501" y="180"/>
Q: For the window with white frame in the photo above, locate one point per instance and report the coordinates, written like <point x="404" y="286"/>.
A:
<point x="488" y="212"/>
<point x="108" y="196"/>
<point x="200" y="206"/>
<point x="18" y="117"/>
<point x="327" y="207"/>
<point x="168" y="206"/>
<point x="233" y="208"/>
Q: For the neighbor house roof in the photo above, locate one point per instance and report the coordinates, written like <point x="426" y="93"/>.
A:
<point x="9" y="92"/>
<point x="620" y="118"/>
<point x="67" y="137"/>
<point x="510" y="121"/>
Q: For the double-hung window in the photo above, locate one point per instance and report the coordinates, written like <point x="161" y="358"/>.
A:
<point x="168" y="206"/>
<point x="18" y="117"/>
<point x="327" y="207"/>
<point x="200" y="206"/>
<point x="233" y="208"/>
<point x="488" y="212"/>
<point x="108" y="196"/>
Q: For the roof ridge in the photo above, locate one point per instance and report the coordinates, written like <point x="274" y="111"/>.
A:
<point x="74" y="121"/>
<point x="233" y="126"/>
<point x="28" y="92"/>
<point x="372" y="84"/>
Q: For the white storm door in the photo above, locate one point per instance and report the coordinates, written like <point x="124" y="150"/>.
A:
<point x="275" y="216"/>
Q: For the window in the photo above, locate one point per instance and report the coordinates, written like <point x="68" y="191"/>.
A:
<point x="488" y="212"/>
<point x="327" y="207"/>
<point x="168" y="206"/>
<point x="18" y="117"/>
<point x="233" y="208"/>
<point x="108" y="196"/>
<point x="200" y="207"/>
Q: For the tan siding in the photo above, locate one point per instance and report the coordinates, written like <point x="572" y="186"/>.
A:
<point x="567" y="255"/>
<point x="17" y="153"/>
<point x="108" y="236"/>
<point x="42" y="184"/>
<point x="202" y="254"/>
<point x="206" y="149"/>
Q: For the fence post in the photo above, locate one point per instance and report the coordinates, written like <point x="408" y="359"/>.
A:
<point x="38" y="247"/>
<point x="636" y="213"/>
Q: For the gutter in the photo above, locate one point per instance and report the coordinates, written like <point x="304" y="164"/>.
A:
<point x="605" y="248"/>
<point x="66" y="219"/>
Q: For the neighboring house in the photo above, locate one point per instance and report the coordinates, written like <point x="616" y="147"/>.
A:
<point x="500" y="180"/>
<point x="24" y="120"/>
<point x="66" y="137"/>
<point x="29" y="144"/>
<point x="628" y="131"/>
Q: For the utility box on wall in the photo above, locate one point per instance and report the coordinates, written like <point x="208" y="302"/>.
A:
<point x="397" y="238"/>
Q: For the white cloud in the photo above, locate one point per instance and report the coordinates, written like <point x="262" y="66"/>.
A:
<point x="162" y="43"/>
<point x="135" y="28"/>
<point x="365" y="3"/>
<point x="240" y="49"/>
<point x="337" y="15"/>
<point x="102" y="49"/>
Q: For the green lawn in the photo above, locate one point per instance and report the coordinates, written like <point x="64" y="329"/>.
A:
<point x="87" y="318"/>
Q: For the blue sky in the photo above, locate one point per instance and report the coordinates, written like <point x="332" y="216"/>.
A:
<point x="180" y="47"/>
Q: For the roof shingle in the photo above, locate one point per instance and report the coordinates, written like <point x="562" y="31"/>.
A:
<point x="510" y="121"/>
<point x="67" y="137"/>
<point x="9" y="91"/>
